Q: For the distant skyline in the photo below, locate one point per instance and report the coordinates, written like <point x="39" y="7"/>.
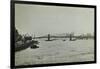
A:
<point x="42" y="20"/>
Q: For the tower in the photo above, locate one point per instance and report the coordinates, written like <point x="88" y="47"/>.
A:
<point x="48" y="37"/>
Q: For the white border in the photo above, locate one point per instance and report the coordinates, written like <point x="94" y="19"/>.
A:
<point x="5" y="34"/>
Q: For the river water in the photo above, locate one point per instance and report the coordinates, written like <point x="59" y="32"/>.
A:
<point x="57" y="51"/>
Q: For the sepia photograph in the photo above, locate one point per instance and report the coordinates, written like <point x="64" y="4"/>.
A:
<point x="46" y="33"/>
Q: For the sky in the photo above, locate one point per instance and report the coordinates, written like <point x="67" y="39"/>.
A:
<point x="43" y="19"/>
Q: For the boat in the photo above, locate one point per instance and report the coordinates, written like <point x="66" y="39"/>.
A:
<point x="22" y="46"/>
<point x="34" y="46"/>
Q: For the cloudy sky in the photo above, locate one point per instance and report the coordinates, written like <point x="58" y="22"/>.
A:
<point x="41" y="20"/>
